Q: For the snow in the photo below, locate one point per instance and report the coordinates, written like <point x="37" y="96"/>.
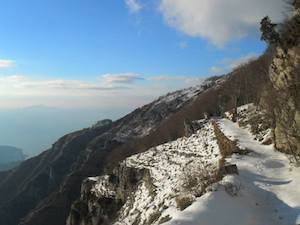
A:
<point x="267" y="186"/>
<point x="182" y="95"/>
<point x="151" y="115"/>
<point x="147" y="118"/>
<point x="102" y="186"/>
<point x="266" y="191"/>
<point x="250" y="112"/>
<point x="246" y="107"/>
<point x="168" y="164"/>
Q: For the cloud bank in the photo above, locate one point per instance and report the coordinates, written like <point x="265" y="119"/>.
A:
<point x="126" y="78"/>
<point x="219" y="21"/>
<point x="17" y="84"/>
<point x="6" y="63"/>
<point x="108" y="90"/>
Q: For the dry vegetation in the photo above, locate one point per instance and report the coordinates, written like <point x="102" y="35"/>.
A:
<point x="184" y="201"/>
<point x="154" y="217"/>
<point x="165" y="219"/>
<point x="196" y="178"/>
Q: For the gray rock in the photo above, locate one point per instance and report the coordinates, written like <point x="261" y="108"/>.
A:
<point x="229" y="169"/>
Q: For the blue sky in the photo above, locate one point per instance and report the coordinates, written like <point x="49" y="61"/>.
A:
<point x="111" y="49"/>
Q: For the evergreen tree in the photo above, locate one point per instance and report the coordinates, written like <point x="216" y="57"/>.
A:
<point x="269" y="34"/>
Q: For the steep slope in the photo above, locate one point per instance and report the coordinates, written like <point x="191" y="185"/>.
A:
<point x="36" y="178"/>
<point x="145" y="185"/>
<point x="281" y="98"/>
<point x="155" y="186"/>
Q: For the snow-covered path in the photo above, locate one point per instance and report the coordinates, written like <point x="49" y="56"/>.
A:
<point x="269" y="189"/>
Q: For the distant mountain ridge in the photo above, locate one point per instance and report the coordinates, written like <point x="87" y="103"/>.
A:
<point x="35" y="129"/>
<point x="10" y="157"/>
<point x="10" y="154"/>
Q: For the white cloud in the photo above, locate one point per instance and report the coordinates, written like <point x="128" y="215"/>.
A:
<point x="6" y="63"/>
<point x="109" y="90"/>
<point x="219" y="21"/>
<point x="17" y="85"/>
<point x="124" y="78"/>
<point x="134" y="6"/>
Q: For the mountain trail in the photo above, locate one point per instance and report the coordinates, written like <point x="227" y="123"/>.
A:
<point x="266" y="191"/>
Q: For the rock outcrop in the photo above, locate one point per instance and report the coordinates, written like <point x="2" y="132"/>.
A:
<point x="285" y="78"/>
<point x="102" y="197"/>
<point x="282" y="98"/>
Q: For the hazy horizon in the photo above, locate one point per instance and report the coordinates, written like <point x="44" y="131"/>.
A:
<point x="35" y="129"/>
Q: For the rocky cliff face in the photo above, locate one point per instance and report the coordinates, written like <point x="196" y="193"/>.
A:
<point x="285" y="78"/>
<point x="282" y="98"/>
<point x="102" y="197"/>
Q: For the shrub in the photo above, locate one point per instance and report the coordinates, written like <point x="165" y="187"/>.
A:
<point x="184" y="201"/>
<point x="165" y="219"/>
<point x="196" y="178"/>
<point x="154" y="217"/>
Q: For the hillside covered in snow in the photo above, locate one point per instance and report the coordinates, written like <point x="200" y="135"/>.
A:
<point x="192" y="179"/>
<point x="172" y="172"/>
